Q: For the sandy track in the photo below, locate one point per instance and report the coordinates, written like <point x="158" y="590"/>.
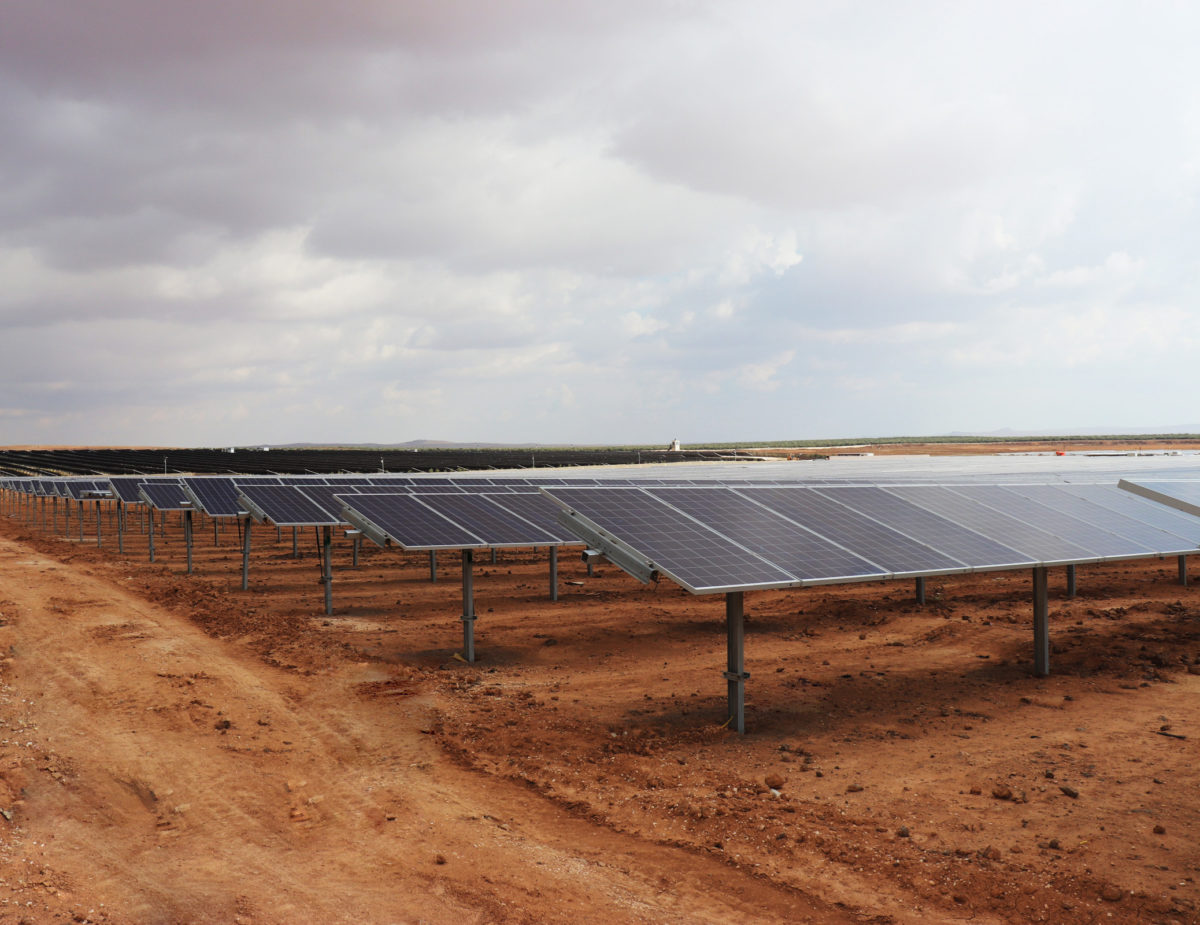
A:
<point x="173" y="777"/>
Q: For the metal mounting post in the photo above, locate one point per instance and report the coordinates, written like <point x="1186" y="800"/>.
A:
<point x="433" y="565"/>
<point x="151" y="534"/>
<point x="1071" y="584"/>
<point x="920" y="590"/>
<point x="120" y="527"/>
<point x="327" y="566"/>
<point x="99" y="538"/>
<point x="246" y="555"/>
<point x="216" y="539"/>
<point x="295" y="542"/>
<point x="1041" y="622"/>
<point x="554" y="573"/>
<point x="81" y="519"/>
<point x="493" y="555"/>
<point x="735" y="674"/>
<point x="468" y="597"/>
<point x="187" y="537"/>
<point x="1183" y="570"/>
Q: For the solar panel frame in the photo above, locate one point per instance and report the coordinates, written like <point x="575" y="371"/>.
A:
<point x="165" y="495"/>
<point x="976" y="550"/>
<point x="498" y="527"/>
<point x="805" y="554"/>
<point x="403" y="520"/>
<point x="691" y="554"/>
<point x="1181" y="495"/>
<point x="285" y="506"/>
<point x="895" y="553"/>
<point x="1100" y="542"/>
<point x="1043" y="548"/>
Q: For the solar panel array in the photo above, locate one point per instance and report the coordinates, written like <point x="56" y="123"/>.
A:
<point x="733" y="539"/>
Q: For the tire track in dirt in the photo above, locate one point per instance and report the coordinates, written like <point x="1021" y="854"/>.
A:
<point x="176" y="778"/>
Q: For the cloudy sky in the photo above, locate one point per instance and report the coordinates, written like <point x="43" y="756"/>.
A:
<point x="594" y="222"/>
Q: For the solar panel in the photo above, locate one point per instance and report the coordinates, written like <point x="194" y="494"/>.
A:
<point x="537" y="509"/>
<point x="1089" y="536"/>
<point x="165" y="495"/>
<point x="1140" y="508"/>
<point x="889" y="549"/>
<point x="1183" y="496"/>
<point x="404" y="520"/>
<point x="969" y="546"/>
<point x="800" y="552"/>
<point x="285" y="506"/>
<point x="494" y="525"/>
<point x="693" y="555"/>
<point x="127" y="489"/>
<point x="325" y="496"/>
<point x="216" y="496"/>
<point x="1033" y="542"/>
<point x="1146" y="534"/>
<point x="76" y="487"/>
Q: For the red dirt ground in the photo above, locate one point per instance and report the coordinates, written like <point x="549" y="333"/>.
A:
<point x="177" y="750"/>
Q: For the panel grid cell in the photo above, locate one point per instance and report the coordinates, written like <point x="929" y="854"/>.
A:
<point x="409" y="523"/>
<point x="887" y="548"/>
<point x="695" y="555"/>
<point x="794" y="549"/>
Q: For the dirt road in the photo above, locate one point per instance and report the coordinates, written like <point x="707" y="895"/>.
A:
<point x="156" y="774"/>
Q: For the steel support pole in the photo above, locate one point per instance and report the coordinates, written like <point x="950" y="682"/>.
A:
<point x="295" y="542"/>
<point x="121" y="527"/>
<point x="81" y="519"/>
<point x="99" y="538"/>
<point x="1183" y="570"/>
<point x="468" y="597"/>
<point x="67" y="512"/>
<point x="920" y="590"/>
<point x="1041" y="622"/>
<point x="246" y="556"/>
<point x="493" y="555"/>
<point x="433" y="565"/>
<point x="327" y="567"/>
<point x="591" y="573"/>
<point x="735" y="674"/>
<point x="54" y="506"/>
<point x="1072" y="586"/>
<point x="357" y="546"/>
<point x="216" y="538"/>
<point x="187" y="537"/>
<point x="151" y="534"/>
<point x="554" y="573"/>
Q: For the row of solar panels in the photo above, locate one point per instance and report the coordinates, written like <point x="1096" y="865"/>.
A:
<point x="731" y="539"/>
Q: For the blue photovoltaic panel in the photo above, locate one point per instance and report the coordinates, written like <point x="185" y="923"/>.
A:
<point x="1139" y="508"/>
<point x="1089" y="536"/>
<point x="1142" y="532"/>
<point x="1034" y="543"/>
<point x="1183" y="496"/>
<point x="892" y="551"/>
<point x="286" y="506"/>
<point x="407" y="522"/>
<point x="693" y="555"/>
<point x="256" y="479"/>
<point x="325" y="496"/>
<point x="975" y="549"/>
<point x="128" y="489"/>
<point x="537" y="509"/>
<point x="494" y="525"/>
<point x="165" y="495"/>
<point x="798" y="551"/>
<point x="216" y="496"/>
<point x="386" y="480"/>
